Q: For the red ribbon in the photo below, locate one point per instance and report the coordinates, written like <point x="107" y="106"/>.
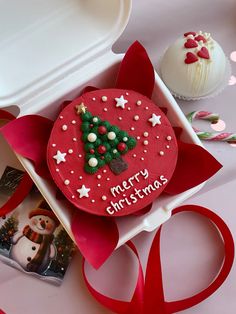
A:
<point x="148" y="296"/>
<point x="23" y="188"/>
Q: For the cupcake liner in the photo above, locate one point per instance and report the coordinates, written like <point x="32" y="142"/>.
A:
<point x="221" y="86"/>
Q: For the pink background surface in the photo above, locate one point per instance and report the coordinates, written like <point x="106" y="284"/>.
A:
<point x="191" y="250"/>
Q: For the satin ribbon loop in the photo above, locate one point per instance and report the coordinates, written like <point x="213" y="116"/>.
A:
<point x="117" y="306"/>
<point x="227" y="238"/>
<point x="148" y="296"/>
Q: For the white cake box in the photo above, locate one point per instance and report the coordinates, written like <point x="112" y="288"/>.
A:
<point x="50" y="50"/>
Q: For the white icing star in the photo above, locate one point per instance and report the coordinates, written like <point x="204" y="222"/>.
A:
<point x="155" y="119"/>
<point x="120" y="102"/>
<point x="83" y="191"/>
<point x="60" y="157"/>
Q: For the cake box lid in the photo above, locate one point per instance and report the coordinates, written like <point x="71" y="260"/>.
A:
<point x="44" y="41"/>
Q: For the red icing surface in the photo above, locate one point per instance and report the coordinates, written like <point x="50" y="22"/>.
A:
<point x="190" y="58"/>
<point x="203" y="53"/>
<point x="190" y="43"/>
<point x="148" y="160"/>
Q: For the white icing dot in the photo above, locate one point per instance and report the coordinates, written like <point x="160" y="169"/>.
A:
<point x="108" y="179"/>
<point x="67" y="182"/>
<point x="104" y="171"/>
<point x="99" y="184"/>
<point x="70" y="151"/>
<point x="142" y="158"/>
<point x="134" y="155"/>
<point x="99" y="176"/>
<point x="72" y="196"/>
<point x="111" y="135"/>
<point x="132" y="128"/>
<point x="104" y="197"/>
<point x="94" y="98"/>
<point x="92" y="137"/>
<point x="124" y="195"/>
<point x="136" y="118"/>
<point x="146" y="108"/>
<point x="72" y="172"/>
<point x="145" y="142"/>
<point x="138" y="103"/>
<point x="161" y="153"/>
<point x="95" y="119"/>
<point x="145" y="134"/>
<point x="57" y="170"/>
<point x="80" y="155"/>
<point x="115" y="151"/>
<point x="93" y="162"/>
<point x="145" y="151"/>
<point x="53" y="145"/>
<point x="127" y="93"/>
<point x="167" y="146"/>
<point x="138" y="137"/>
<point x="64" y="127"/>
<point x="125" y="139"/>
<point x="73" y="122"/>
<point x="120" y="118"/>
<point x="80" y="177"/>
<point x="74" y="139"/>
<point x="157" y="136"/>
<point x="93" y="201"/>
<point x="105" y="109"/>
<point x="61" y="117"/>
<point x="104" y="99"/>
<point x="129" y="108"/>
<point x="169" y="138"/>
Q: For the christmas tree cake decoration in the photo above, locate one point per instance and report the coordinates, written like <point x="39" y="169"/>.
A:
<point x="116" y="154"/>
<point x="59" y="157"/>
<point x="120" y="102"/>
<point x="104" y="143"/>
<point x="155" y="119"/>
<point x="83" y="191"/>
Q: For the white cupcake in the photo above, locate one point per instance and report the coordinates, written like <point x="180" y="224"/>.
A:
<point x="195" y="66"/>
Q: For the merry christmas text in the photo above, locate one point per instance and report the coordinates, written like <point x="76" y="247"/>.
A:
<point x="137" y="194"/>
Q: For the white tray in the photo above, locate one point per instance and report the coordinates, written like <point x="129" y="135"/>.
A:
<point x="49" y="52"/>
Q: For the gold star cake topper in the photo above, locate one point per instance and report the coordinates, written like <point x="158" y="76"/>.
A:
<point x="80" y="108"/>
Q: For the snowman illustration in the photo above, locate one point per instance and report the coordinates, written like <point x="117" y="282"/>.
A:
<point x="33" y="248"/>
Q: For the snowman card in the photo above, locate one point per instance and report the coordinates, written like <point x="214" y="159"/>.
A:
<point x="31" y="237"/>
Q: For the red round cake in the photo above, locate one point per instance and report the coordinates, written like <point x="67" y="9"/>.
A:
<point x="112" y="152"/>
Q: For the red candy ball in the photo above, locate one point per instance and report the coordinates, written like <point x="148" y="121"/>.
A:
<point x="102" y="129"/>
<point x="121" y="147"/>
<point x="91" y="151"/>
<point x="101" y="149"/>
